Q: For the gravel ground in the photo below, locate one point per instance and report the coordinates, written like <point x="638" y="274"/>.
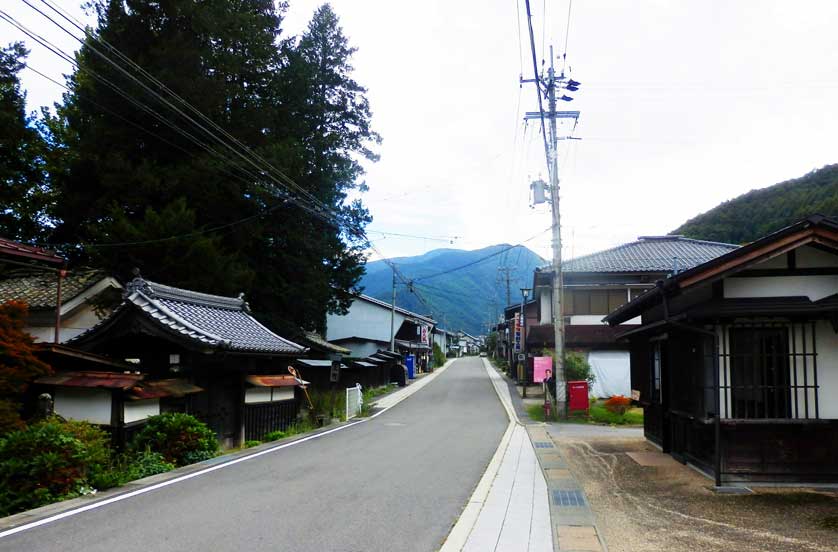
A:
<point x="672" y="508"/>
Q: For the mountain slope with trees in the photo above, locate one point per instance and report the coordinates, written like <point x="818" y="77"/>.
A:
<point x="466" y="298"/>
<point x="760" y="212"/>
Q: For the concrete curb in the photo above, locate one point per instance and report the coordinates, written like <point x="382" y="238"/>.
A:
<point x="59" y="510"/>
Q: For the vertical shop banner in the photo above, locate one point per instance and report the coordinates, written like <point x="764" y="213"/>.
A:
<point x="517" y="331"/>
<point x="424" y="335"/>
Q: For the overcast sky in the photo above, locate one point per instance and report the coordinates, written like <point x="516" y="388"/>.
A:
<point x="684" y="105"/>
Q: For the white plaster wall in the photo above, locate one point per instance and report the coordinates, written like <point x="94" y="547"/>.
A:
<point x="545" y="297"/>
<point x="140" y="410"/>
<point x="257" y="395"/>
<point x="813" y="287"/>
<point x="91" y="405"/>
<point x="586" y="319"/>
<point x="365" y="320"/>
<point x="80" y="321"/>
<point x="827" y="342"/>
<point x="282" y="393"/>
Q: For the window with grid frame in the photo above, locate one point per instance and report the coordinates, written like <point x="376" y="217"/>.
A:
<point x="759" y="373"/>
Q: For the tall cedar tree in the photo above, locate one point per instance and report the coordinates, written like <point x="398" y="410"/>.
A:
<point x="22" y="176"/>
<point x="18" y="364"/>
<point x="123" y="175"/>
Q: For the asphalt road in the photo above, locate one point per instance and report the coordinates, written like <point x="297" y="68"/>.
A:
<point x="395" y="483"/>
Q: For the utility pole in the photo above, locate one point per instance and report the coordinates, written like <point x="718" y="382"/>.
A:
<point x="548" y="85"/>
<point x="560" y="400"/>
<point x="393" y="316"/>
<point x="505" y="273"/>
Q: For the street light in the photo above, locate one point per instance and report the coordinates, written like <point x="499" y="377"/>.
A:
<point x="525" y="292"/>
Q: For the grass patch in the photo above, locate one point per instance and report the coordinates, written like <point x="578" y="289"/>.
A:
<point x="601" y="415"/>
<point x="598" y="415"/>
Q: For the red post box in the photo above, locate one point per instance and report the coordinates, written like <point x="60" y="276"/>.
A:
<point x="577" y="395"/>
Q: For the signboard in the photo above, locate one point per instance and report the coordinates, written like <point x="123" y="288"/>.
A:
<point x="540" y="365"/>
<point x="424" y="335"/>
<point x="522" y="357"/>
<point x="517" y="331"/>
<point x="334" y="373"/>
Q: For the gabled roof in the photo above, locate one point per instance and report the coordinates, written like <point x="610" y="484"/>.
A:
<point x="38" y="289"/>
<point x="816" y="229"/>
<point x="650" y="254"/>
<point x="405" y="312"/>
<point x="207" y="320"/>
<point x="11" y="248"/>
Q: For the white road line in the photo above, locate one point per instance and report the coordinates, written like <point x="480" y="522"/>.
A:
<point x="419" y="385"/>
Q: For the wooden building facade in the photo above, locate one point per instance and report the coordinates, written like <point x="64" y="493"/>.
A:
<point x="736" y="360"/>
<point x="214" y="343"/>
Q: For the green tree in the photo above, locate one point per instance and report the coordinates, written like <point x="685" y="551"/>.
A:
<point x="22" y="176"/>
<point x="121" y="174"/>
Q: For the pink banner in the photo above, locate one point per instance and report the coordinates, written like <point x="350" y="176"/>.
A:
<point x="540" y="367"/>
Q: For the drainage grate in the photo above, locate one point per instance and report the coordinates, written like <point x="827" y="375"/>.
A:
<point x="568" y="498"/>
<point x="542" y="444"/>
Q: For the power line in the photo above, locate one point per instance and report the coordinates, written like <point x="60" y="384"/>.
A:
<point x="537" y="82"/>
<point x="318" y="210"/>
<point x="482" y="259"/>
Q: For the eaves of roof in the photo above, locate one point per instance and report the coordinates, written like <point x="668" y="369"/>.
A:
<point x="815" y="228"/>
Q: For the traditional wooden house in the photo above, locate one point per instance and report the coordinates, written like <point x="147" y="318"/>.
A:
<point x="596" y="284"/>
<point x="214" y="343"/>
<point x="736" y="359"/>
<point x="103" y="391"/>
<point x="86" y="296"/>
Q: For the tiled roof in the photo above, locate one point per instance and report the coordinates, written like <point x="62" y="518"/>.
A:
<point x="316" y="341"/>
<point x="38" y="289"/>
<point x="213" y="320"/>
<point x="15" y="249"/>
<point x="650" y="254"/>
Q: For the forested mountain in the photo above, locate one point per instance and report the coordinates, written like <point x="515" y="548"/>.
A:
<point x="760" y="212"/>
<point x="129" y="169"/>
<point x="463" y="299"/>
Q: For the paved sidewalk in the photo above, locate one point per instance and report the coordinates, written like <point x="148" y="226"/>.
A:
<point x="509" y="510"/>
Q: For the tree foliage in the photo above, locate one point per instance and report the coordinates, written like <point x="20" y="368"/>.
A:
<point x="760" y="212"/>
<point x="22" y="166"/>
<point x="18" y="364"/>
<point x="183" y="206"/>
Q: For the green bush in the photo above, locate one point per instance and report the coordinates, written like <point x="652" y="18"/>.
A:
<point x="439" y="356"/>
<point x="47" y="462"/>
<point x="128" y="467"/>
<point x="181" y="439"/>
<point x="146" y="464"/>
<point x="251" y="443"/>
<point x="98" y="445"/>
<point x="576" y="368"/>
<point x="275" y="435"/>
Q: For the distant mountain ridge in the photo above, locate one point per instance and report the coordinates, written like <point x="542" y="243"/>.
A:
<point x="759" y="212"/>
<point x="464" y="299"/>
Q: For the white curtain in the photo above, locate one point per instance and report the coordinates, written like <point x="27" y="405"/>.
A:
<point x="612" y="371"/>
